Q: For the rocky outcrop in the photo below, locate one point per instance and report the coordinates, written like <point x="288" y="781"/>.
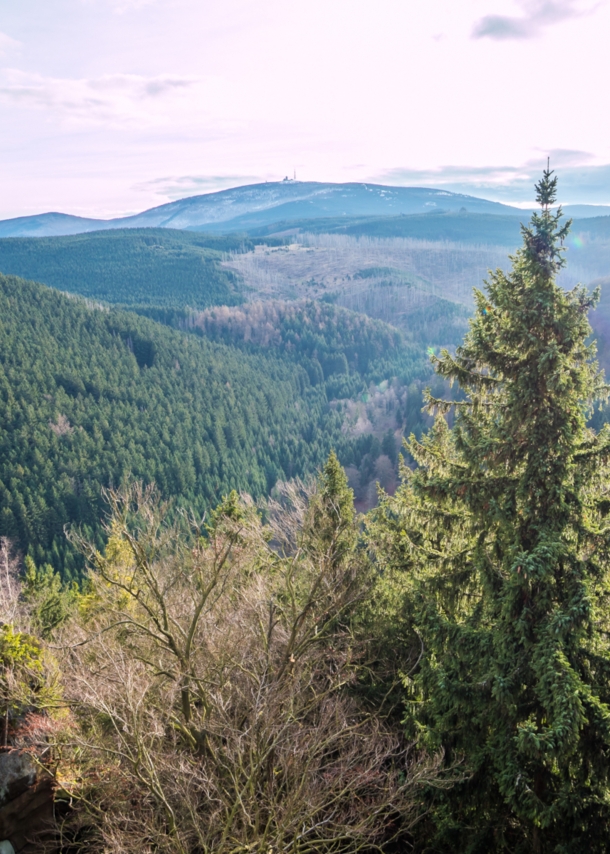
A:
<point x="26" y="801"/>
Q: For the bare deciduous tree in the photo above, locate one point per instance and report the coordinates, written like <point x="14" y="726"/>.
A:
<point x="214" y="683"/>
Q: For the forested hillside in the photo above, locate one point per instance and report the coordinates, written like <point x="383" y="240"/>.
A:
<point x="91" y="396"/>
<point x="153" y="266"/>
<point x="433" y="677"/>
<point x="304" y="375"/>
<point x="327" y="341"/>
<point x="464" y="226"/>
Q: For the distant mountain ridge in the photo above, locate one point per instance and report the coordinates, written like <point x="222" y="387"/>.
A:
<point x="258" y="205"/>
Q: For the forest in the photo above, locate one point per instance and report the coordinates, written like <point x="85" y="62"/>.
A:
<point x="149" y="266"/>
<point x="237" y="660"/>
<point x="463" y="226"/>
<point x="92" y="396"/>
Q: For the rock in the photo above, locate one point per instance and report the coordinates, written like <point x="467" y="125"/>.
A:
<point x="26" y="802"/>
<point x="17" y="773"/>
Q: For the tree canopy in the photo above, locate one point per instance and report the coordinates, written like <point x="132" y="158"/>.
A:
<point x="92" y="396"/>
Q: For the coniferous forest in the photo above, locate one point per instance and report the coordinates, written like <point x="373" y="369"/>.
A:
<point x="152" y="266"/>
<point x="206" y="647"/>
<point x="93" y="397"/>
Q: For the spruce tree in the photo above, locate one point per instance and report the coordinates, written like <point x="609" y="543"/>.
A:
<point x="503" y="534"/>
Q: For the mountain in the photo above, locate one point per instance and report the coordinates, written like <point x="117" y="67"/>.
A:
<point x="390" y="267"/>
<point x="586" y="211"/>
<point x="257" y="205"/>
<point x="48" y="225"/>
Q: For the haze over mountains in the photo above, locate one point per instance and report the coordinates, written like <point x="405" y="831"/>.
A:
<point x="259" y="205"/>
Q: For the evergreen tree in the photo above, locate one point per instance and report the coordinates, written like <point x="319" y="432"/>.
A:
<point x="333" y="509"/>
<point x="503" y="534"/>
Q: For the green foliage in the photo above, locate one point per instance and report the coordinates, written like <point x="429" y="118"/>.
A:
<point x="19" y="650"/>
<point x="333" y="511"/>
<point x="346" y="350"/>
<point x="466" y="227"/>
<point x="440" y="323"/>
<point x="23" y="678"/>
<point x="388" y="446"/>
<point x="374" y="272"/>
<point x="49" y="601"/>
<point x="501" y="535"/>
<point x="134" y="267"/>
<point x="89" y="397"/>
<point x="229" y="510"/>
<point x="353" y="357"/>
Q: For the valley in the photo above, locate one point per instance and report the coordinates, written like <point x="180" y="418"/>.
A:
<point x="205" y="362"/>
<point x="304" y="427"/>
<point x="203" y="510"/>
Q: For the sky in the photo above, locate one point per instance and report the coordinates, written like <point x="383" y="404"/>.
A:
<point x="109" y="107"/>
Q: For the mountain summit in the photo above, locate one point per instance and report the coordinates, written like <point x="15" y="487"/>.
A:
<point x="256" y="205"/>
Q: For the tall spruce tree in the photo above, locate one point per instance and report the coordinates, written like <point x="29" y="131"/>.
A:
<point x="503" y="534"/>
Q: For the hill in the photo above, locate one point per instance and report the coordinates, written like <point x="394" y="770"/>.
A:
<point x="160" y="267"/>
<point x="48" y="224"/>
<point x="455" y="226"/>
<point x="586" y="211"/>
<point x="256" y="205"/>
<point x="91" y="396"/>
<point x="387" y="266"/>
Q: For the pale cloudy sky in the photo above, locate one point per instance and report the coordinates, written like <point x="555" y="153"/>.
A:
<point x="112" y="106"/>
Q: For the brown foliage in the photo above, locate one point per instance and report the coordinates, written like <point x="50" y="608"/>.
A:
<point x="214" y="688"/>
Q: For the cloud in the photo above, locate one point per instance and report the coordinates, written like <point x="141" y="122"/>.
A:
<point x="120" y="6"/>
<point x="127" y="5"/>
<point x="137" y="87"/>
<point x="500" y="27"/>
<point x="580" y="180"/>
<point x="8" y="44"/>
<point x="538" y="15"/>
<point x="113" y="97"/>
<point x="179" y="187"/>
